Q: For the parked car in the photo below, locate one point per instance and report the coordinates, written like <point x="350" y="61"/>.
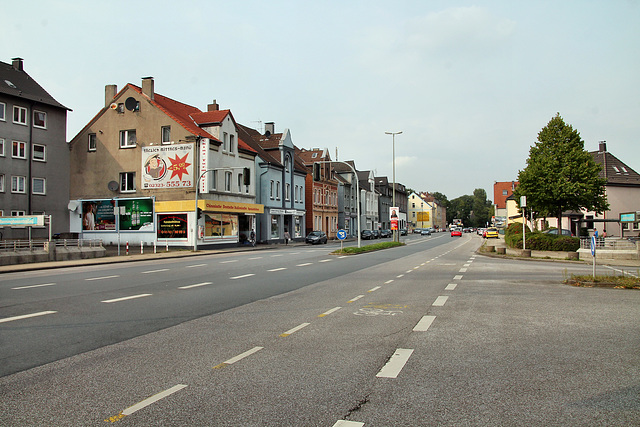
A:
<point x="456" y="232"/>
<point x="366" y="235"/>
<point x="316" y="237"/>
<point x="403" y="231"/>
<point x="417" y="230"/>
<point x="565" y="232"/>
<point x="491" y="233"/>
<point x="385" y="233"/>
<point x="425" y="232"/>
<point x="376" y="234"/>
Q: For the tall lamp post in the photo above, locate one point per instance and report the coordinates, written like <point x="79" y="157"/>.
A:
<point x="393" y="138"/>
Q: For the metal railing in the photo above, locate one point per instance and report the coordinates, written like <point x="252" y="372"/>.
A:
<point x="44" y="245"/>
<point x="614" y="244"/>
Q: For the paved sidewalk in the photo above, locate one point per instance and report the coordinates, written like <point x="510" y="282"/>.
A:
<point x="135" y="255"/>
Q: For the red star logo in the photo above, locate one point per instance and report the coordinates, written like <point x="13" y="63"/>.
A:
<point x="179" y="166"/>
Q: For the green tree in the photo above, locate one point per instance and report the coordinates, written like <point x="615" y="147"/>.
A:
<point x="560" y="175"/>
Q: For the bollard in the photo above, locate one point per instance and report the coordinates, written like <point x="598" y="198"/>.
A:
<point x="167" y="245"/>
<point x="155" y="250"/>
<point x="127" y="250"/>
<point x="141" y="248"/>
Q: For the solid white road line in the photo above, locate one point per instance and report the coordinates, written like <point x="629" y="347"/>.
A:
<point x="155" y="271"/>
<point x="26" y="316"/>
<point x="130" y="410"/>
<point x="395" y="364"/>
<point x="238" y="357"/>
<point x="451" y="286"/>
<point x="243" y="276"/>
<point x="424" y="323"/>
<point x="34" y="286"/>
<point x="355" y="299"/>
<point x="296" y="329"/>
<point x="127" y="298"/>
<point x="102" y="278"/>
<point x="277" y="269"/>
<point x="328" y="312"/>
<point x="197" y="285"/>
<point x="439" y="302"/>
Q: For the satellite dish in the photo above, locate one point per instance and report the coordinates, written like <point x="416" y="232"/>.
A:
<point x="112" y="185"/>
<point x="131" y="104"/>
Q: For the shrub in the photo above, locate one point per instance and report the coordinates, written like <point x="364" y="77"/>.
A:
<point x="538" y="241"/>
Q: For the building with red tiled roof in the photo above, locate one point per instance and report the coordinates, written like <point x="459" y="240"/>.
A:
<point x="140" y="160"/>
<point x="321" y="192"/>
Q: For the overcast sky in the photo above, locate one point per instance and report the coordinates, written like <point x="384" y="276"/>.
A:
<point x="469" y="83"/>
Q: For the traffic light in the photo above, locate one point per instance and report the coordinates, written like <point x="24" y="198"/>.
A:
<point x="199" y="213"/>
<point x="316" y="171"/>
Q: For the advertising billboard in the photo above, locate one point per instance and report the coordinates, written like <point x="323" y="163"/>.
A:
<point x="136" y="214"/>
<point x="98" y="215"/>
<point x="132" y="215"/>
<point x="167" y="166"/>
<point x="172" y="226"/>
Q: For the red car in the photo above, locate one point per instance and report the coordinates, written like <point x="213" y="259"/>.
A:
<point x="456" y="232"/>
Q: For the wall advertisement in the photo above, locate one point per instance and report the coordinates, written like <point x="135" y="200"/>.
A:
<point x="132" y="215"/>
<point x="172" y="226"/>
<point x="167" y="166"/>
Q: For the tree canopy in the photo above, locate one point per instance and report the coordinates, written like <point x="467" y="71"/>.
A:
<point x="560" y="174"/>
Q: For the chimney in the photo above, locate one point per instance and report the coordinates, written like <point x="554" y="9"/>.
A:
<point x="18" y="64"/>
<point x="147" y="86"/>
<point x="110" y="92"/>
<point x="269" y="128"/>
<point x="213" y="107"/>
<point x="602" y="148"/>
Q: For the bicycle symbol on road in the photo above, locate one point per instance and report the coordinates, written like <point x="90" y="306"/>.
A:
<point x="379" y="310"/>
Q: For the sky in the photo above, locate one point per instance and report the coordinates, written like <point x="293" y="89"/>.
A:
<point x="470" y="84"/>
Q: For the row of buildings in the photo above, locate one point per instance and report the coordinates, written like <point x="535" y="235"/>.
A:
<point x="623" y="194"/>
<point x="148" y="168"/>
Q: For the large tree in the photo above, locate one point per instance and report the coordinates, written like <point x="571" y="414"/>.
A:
<point x="560" y="175"/>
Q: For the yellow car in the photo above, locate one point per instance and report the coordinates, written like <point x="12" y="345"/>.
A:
<point x="491" y="232"/>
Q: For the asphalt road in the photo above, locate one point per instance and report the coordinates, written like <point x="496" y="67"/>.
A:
<point x="427" y="334"/>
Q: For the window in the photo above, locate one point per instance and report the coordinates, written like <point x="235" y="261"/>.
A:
<point x="214" y="180"/>
<point x="271" y="191"/>
<point x="277" y="190"/>
<point x="127" y="182"/>
<point x="39" y="119"/>
<point x="19" y="115"/>
<point x="128" y="138"/>
<point x="3" y="108"/>
<point x="92" y="142"/>
<point x="1" y="147"/>
<point x="19" y="150"/>
<point x="225" y="141"/>
<point x="287" y="189"/>
<point x="18" y="213"/>
<point x="227" y="181"/>
<point x="39" y="153"/>
<point x="505" y="192"/>
<point x="232" y="139"/>
<point x="166" y="134"/>
<point x="287" y="162"/>
<point x="1" y="183"/>
<point x="18" y="184"/>
<point x="295" y="194"/>
<point x="38" y="186"/>
<point x="240" y="182"/>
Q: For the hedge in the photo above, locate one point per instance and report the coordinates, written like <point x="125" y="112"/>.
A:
<point x="538" y="241"/>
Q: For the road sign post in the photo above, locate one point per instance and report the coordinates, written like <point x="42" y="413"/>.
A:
<point x="342" y="234"/>
<point x="593" y="254"/>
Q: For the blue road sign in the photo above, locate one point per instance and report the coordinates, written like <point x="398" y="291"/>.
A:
<point x="342" y="234"/>
<point x="593" y="246"/>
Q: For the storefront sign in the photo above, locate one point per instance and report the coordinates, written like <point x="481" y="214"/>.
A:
<point x="172" y="226"/>
<point x="22" y="221"/>
<point x="217" y="206"/>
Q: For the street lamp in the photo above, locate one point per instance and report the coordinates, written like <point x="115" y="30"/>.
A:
<point x="393" y="137"/>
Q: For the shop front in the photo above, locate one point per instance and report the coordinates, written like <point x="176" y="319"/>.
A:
<point x="278" y="221"/>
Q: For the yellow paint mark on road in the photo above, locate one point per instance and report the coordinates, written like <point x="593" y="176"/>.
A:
<point x="115" y="418"/>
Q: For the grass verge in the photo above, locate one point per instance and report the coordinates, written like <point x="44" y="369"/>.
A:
<point x="352" y="250"/>
<point x="619" y="282"/>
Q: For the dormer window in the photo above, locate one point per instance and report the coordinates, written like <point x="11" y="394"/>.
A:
<point x="287" y="164"/>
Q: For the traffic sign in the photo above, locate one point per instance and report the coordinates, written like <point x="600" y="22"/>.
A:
<point x="342" y="234"/>
<point x="593" y="245"/>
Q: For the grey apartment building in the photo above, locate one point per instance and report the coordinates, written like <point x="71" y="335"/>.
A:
<point x="34" y="155"/>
